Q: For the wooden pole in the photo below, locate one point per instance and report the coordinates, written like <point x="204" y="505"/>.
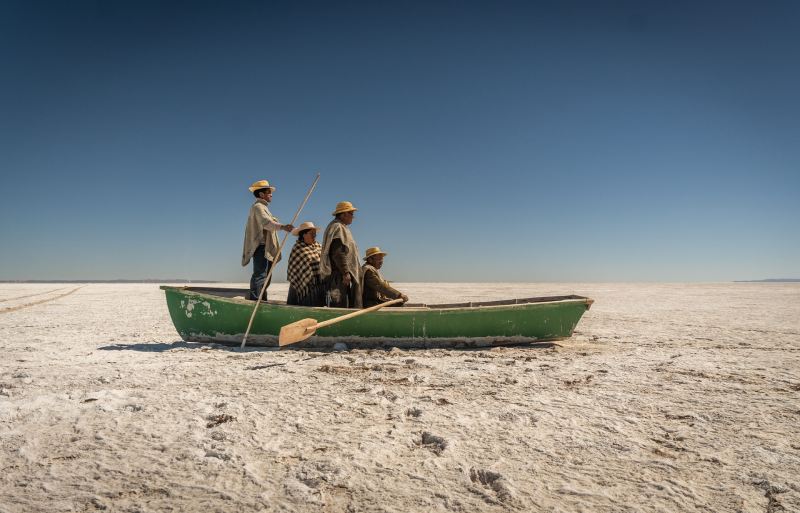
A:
<point x="275" y="262"/>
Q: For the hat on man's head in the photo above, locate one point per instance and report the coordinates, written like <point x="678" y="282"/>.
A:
<point x="308" y="225"/>
<point x="261" y="184"/>
<point x="344" y="206"/>
<point x="374" y="251"/>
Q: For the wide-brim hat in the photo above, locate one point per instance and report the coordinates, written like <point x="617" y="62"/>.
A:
<point x="374" y="251"/>
<point x="344" y="206"/>
<point x="261" y="184"/>
<point x="308" y="225"/>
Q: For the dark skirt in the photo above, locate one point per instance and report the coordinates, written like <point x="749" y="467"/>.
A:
<point x="338" y="295"/>
<point x="314" y="295"/>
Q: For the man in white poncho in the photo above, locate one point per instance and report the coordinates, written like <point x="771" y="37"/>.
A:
<point x="339" y="266"/>
<point x="261" y="238"/>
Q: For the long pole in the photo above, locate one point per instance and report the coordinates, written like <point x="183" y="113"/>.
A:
<point x="275" y="261"/>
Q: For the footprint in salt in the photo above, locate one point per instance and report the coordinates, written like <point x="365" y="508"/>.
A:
<point x="437" y="444"/>
<point x="414" y="412"/>
<point x="494" y="482"/>
<point x="216" y="420"/>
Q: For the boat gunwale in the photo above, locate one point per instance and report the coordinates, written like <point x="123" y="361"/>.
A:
<point x="466" y="306"/>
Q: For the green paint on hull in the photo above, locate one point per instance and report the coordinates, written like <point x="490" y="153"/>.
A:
<point x="216" y="315"/>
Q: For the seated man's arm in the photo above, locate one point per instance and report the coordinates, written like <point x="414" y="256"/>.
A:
<point x="373" y="281"/>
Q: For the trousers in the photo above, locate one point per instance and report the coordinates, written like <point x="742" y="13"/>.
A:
<point x="261" y="268"/>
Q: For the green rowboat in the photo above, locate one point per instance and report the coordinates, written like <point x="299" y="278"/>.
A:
<point x="204" y="314"/>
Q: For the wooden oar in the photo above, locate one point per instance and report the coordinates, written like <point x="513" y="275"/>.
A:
<point x="304" y="328"/>
<point x="275" y="262"/>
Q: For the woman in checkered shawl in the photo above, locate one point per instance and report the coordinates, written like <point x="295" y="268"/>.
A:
<point x="305" y="284"/>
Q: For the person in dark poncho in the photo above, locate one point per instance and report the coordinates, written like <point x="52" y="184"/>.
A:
<point x="305" y="283"/>
<point x="339" y="266"/>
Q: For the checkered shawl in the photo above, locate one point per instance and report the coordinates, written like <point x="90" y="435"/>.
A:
<point x="303" y="267"/>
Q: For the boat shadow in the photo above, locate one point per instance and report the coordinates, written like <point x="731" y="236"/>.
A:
<point x="161" y="347"/>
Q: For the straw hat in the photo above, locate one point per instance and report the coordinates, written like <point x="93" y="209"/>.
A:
<point x="375" y="251"/>
<point x="308" y="225"/>
<point x="261" y="184"/>
<point x="344" y="206"/>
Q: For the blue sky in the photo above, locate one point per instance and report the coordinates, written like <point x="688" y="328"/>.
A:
<point x="481" y="141"/>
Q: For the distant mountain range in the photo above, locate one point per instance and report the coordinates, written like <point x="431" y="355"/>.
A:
<point x="770" y="280"/>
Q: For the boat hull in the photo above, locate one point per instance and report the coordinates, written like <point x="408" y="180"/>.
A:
<point x="207" y="315"/>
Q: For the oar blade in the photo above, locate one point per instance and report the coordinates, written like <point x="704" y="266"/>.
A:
<point x="297" y="331"/>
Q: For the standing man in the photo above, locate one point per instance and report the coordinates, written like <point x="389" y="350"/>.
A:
<point x="376" y="289"/>
<point x="261" y="237"/>
<point x="339" y="265"/>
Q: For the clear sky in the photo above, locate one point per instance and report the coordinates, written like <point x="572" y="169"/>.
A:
<point x="481" y="141"/>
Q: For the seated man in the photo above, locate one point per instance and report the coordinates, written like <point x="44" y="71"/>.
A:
<point x="376" y="289"/>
